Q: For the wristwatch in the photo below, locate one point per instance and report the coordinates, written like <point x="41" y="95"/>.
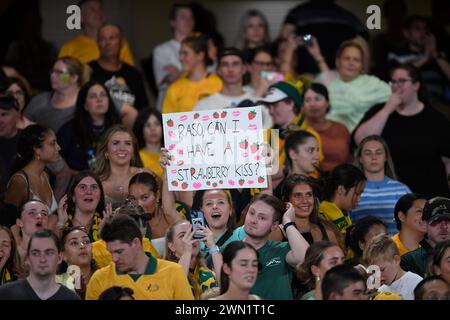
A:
<point x="213" y="250"/>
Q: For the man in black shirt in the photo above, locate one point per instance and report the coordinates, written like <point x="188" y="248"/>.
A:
<point x="43" y="257"/>
<point x="124" y="82"/>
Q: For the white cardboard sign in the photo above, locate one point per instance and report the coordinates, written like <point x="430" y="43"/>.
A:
<point x="215" y="149"/>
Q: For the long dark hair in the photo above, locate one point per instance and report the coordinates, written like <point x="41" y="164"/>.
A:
<point x="31" y="137"/>
<point x="345" y="175"/>
<point x="293" y="140"/>
<point x="228" y="255"/>
<point x="357" y="232"/>
<point x="63" y="266"/>
<point x="141" y="120"/>
<point x="71" y="191"/>
<point x="83" y="122"/>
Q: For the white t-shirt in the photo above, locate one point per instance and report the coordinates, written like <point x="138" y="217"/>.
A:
<point x="404" y="286"/>
<point x="164" y="54"/>
<point x="220" y="101"/>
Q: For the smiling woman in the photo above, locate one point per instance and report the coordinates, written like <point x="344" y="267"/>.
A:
<point x="117" y="161"/>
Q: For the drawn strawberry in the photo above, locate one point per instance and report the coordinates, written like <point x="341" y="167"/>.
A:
<point x="216" y="115"/>
<point x="184" y="186"/>
<point x="251" y="115"/>
<point x="243" y="144"/>
<point x="223" y="114"/>
<point x="261" y="179"/>
<point x="214" y="184"/>
<point x="192" y="171"/>
<point x="175" y="183"/>
<point x="241" y="182"/>
<point x="208" y="183"/>
<point x="220" y="181"/>
<point x="254" y="147"/>
<point x="196" y="115"/>
<point x="170" y="123"/>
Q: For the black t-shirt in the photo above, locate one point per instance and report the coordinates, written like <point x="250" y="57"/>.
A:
<point x="417" y="144"/>
<point x="21" y="290"/>
<point x="125" y="84"/>
<point x="8" y="152"/>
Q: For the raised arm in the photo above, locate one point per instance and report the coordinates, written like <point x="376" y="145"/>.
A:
<point x="375" y="125"/>
<point x="296" y="241"/>
<point x="167" y="197"/>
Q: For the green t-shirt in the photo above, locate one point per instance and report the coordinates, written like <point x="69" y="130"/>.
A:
<point x="274" y="278"/>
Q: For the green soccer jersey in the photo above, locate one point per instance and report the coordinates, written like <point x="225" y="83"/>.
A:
<point x="274" y="278"/>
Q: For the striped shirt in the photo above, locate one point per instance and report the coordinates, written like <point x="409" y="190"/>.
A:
<point x="379" y="199"/>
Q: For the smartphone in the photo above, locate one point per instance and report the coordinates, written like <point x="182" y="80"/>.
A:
<point x="197" y="219"/>
<point x="272" y="76"/>
<point x="307" y="40"/>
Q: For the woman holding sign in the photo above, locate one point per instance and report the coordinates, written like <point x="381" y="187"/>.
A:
<point x="196" y="82"/>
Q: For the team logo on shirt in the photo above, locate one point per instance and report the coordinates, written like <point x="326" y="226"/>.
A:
<point x="153" y="287"/>
<point x="274" y="262"/>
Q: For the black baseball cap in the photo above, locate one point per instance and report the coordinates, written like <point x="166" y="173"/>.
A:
<point x="436" y="208"/>
<point x="8" y="102"/>
<point x="231" y="51"/>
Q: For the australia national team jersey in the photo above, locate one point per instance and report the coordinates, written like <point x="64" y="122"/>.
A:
<point x="162" y="280"/>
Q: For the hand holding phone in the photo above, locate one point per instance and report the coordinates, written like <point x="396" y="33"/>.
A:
<point x="197" y="220"/>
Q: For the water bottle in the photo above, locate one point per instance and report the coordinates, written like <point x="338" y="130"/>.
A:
<point x="91" y="158"/>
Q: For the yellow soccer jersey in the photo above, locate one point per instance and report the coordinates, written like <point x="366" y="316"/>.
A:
<point x="331" y="212"/>
<point x="103" y="257"/>
<point x="150" y="160"/>
<point x="85" y="49"/>
<point x="183" y="94"/>
<point x="162" y="280"/>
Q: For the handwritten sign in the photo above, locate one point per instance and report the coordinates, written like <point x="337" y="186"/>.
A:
<point x="215" y="149"/>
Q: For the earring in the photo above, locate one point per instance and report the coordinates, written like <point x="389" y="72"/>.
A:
<point x="317" y="278"/>
<point x="106" y="155"/>
<point x="38" y="157"/>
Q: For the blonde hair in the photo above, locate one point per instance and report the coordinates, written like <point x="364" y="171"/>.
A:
<point x="380" y="248"/>
<point x="102" y="166"/>
<point x="76" y="68"/>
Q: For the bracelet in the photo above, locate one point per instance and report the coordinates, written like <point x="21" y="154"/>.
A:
<point x="213" y="250"/>
<point x="287" y="225"/>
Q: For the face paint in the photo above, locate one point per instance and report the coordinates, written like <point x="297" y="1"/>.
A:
<point x="65" y="78"/>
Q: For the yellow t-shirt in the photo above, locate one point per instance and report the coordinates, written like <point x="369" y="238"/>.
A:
<point x="150" y="160"/>
<point x="183" y="94"/>
<point x="401" y="247"/>
<point x="85" y="49"/>
<point x="162" y="280"/>
<point x="331" y="212"/>
<point x="103" y="257"/>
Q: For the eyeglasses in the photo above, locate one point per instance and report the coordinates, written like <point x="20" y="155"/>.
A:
<point x="263" y="64"/>
<point x="400" y="82"/>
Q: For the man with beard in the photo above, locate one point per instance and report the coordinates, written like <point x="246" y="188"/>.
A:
<point x="437" y="215"/>
<point x="278" y="259"/>
<point x="43" y="257"/>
